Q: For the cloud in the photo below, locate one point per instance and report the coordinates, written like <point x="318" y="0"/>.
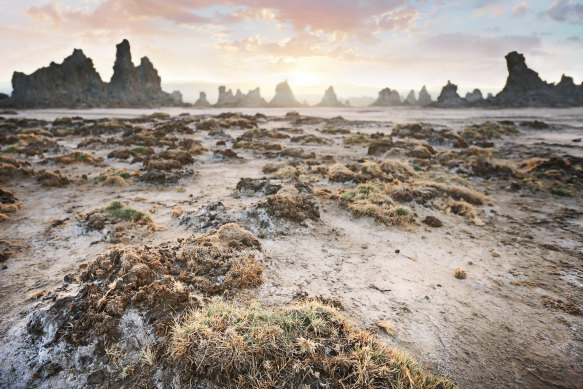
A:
<point x="360" y="19"/>
<point x="131" y="15"/>
<point x="521" y="9"/>
<point x="49" y="13"/>
<point x="471" y="45"/>
<point x="401" y="19"/>
<point x="566" y="11"/>
<point x="302" y="45"/>
<point x="488" y="10"/>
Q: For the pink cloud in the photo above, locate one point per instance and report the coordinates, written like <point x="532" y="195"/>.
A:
<point x="49" y="12"/>
<point x="360" y="18"/>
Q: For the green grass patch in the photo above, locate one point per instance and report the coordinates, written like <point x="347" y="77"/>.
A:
<point x="561" y="192"/>
<point x="122" y="212"/>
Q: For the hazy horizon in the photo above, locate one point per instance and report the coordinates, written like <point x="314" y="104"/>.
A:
<point x="358" y="95"/>
<point x="372" y="44"/>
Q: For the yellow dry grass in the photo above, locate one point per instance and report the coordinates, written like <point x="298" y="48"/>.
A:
<point x="307" y="343"/>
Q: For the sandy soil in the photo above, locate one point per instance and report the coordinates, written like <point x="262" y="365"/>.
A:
<point x="514" y="322"/>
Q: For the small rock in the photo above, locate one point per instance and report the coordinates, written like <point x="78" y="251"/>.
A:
<point x="432" y="221"/>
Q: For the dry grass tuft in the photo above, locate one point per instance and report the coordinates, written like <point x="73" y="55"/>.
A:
<point x="177" y="211"/>
<point x="52" y="178"/>
<point x="115" y="181"/>
<point x="75" y="157"/>
<point x="461" y="208"/>
<point x="340" y="173"/>
<point x="291" y="203"/>
<point x="369" y="199"/>
<point x="487" y="130"/>
<point x="397" y="169"/>
<point x="387" y="326"/>
<point x="308" y="344"/>
<point x="460" y="273"/>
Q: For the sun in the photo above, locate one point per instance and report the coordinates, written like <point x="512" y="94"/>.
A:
<point x="303" y="78"/>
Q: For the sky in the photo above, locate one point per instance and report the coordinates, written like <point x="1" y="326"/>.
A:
<point x="376" y="43"/>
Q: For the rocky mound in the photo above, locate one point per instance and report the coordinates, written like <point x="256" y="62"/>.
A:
<point x="411" y="99"/>
<point x="524" y="88"/>
<point x="330" y="99"/>
<point x="76" y="83"/>
<point x="424" y="97"/>
<point x="284" y="96"/>
<point x="202" y="102"/>
<point x="449" y="97"/>
<point x="387" y="98"/>
<point x="474" y="96"/>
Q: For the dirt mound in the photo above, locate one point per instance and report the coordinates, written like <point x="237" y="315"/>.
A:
<point x="421" y="194"/>
<point x="564" y="169"/>
<point x="9" y="248"/>
<point x="291" y="203"/>
<point x="380" y="146"/>
<point x="226" y="154"/>
<point x="535" y="124"/>
<point x="309" y="139"/>
<point x="360" y="138"/>
<point x="333" y="130"/>
<point x="137" y="154"/>
<point x="258" y="146"/>
<point x="397" y="169"/>
<point x="425" y="132"/>
<point x="89" y="142"/>
<point x="262" y="133"/>
<point x="77" y="157"/>
<point x="30" y="142"/>
<point x="297" y="153"/>
<point x="52" y="178"/>
<point x="307" y="344"/>
<point x="252" y="186"/>
<point x="11" y="168"/>
<point x="8" y="204"/>
<point x="480" y="134"/>
<point x="370" y="199"/>
<point x="192" y="146"/>
<point x="160" y="177"/>
<point x="386" y="170"/>
<point x="7" y="197"/>
<point x="157" y="281"/>
<point x="340" y="173"/>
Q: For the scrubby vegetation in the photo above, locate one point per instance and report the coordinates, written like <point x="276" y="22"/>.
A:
<point x="307" y="344"/>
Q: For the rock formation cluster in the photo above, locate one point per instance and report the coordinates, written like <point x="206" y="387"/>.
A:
<point x="390" y="98"/>
<point x="251" y="99"/>
<point x="524" y="88"/>
<point x="76" y="83"/>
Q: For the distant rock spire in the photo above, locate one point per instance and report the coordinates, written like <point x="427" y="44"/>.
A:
<point x="284" y="96"/>
<point x="387" y="98"/>
<point x="330" y="99"/>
